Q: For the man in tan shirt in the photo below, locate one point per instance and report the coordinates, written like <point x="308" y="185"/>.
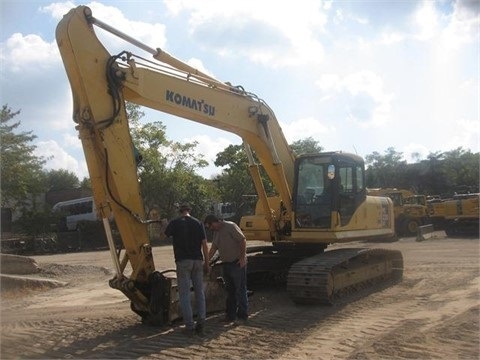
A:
<point x="231" y="244"/>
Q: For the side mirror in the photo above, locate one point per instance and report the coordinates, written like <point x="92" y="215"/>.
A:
<point x="331" y="171"/>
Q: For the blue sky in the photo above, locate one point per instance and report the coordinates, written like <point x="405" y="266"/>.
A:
<point x="358" y="76"/>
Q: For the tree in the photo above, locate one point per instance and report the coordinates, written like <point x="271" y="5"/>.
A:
<point x="385" y="170"/>
<point x="451" y="171"/>
<point x="167" y="172"/>
<point x="235" y="182"/>
<point x="461" y="169"/>
<point x="442" y="173"/>
<point x="434" y="173"/>
<point x="61" y="180"/>
<point x="306" y="146"/>
<point x="86" y="183"/>
<point x="21" y="170"/>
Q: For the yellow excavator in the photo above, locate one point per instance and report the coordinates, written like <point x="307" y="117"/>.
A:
<point x="410" y="209"/>
<point x="321" y="198"/>
<point x="458" y="216"/>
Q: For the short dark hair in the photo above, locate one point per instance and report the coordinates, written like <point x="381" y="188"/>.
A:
<point x="210" y="219"/>
<point x="184" y="207"/>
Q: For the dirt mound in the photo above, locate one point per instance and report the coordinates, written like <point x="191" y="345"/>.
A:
<point x="21" y="275"/>
<point x="18" y="265"/>
<point x="66" y="271"/>
<point x="22" y="284"/>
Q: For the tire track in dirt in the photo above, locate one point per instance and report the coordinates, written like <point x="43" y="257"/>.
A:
<point x="80" y="338"/>
<point x="359" y="322"/>
<point x="371" y="322"/>
<point x="432" y="314"/>
<point x="383" y="318"/>
<point x="396" y="345"/>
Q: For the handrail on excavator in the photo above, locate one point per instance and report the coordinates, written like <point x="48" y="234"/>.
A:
<point x="157" y="53"/>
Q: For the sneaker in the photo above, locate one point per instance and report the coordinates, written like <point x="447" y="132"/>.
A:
<point x="242" y="320"/>
<point x="227" y="320"/>
<point x="200" y="330"/>
<point x="188" y="332"/>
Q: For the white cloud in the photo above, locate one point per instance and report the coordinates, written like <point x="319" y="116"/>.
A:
<point x="71" y="141"/>
<point x="306" y="127"/>
<point x="297" y="27"/>
<point x="364" y="81"/>
<point x="426" y="22"/>
<point x="57" y="10"/>
<point x="463" y="27"/>
<point x="413" y="152"/>
<point x="466" y="135"/>
<point x="390" y="38"/>
<point x="330" y="82"/>
<point x="28" y="54"/>
<point x="58" y="158"/>
<point x="369" y="104"/>
<point x="198" y="64"/>
<point x="209" y="147"/>
<point x="152" y="35"/>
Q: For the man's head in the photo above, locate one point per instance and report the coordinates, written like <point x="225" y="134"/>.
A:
<point x="184" y="208"/>
<point x="211" y="222"/>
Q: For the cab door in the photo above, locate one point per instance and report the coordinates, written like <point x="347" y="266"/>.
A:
<point x="351" y="189"/>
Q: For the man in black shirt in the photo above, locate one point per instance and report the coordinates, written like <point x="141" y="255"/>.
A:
<point x="189" y="241"/>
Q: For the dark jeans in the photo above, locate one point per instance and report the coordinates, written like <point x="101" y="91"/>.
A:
<point x="235" y="279"/>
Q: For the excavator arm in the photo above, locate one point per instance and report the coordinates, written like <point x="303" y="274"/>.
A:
<point x="102" y="82"/>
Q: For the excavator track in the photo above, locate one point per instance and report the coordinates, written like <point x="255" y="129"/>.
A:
<point x="326" y="278"/>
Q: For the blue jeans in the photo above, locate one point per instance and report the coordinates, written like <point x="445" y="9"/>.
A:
<point x="190" y="272"/>
<point x="235" y="279"/>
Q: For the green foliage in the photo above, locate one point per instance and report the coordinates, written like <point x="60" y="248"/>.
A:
<point x="231" y="157"/>
<point x="167" y="173"/>
<point x="134" y="113"/>
<point x="235" y="180"/>
<point x="234" y="183"/>
<point x="440" y="174"/>
<point x="461" y="169"/>
<point x="86" y="183"/>
<point x="61" y="180"/>
<point x="21" y="170"/>
<point x="385" y="170"/>
<point x="35" y="222"/>
<point x="306" y="146"/>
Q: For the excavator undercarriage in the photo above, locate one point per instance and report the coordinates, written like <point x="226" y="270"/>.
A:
<point x="333" y="275"/>
<point x="327" y="276"/>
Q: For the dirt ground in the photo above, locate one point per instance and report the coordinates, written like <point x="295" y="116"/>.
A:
<point x="432" y="314"/>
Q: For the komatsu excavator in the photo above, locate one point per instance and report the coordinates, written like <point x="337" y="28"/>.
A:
<point x="458" y="216"/>
<point x="321" y="198"/>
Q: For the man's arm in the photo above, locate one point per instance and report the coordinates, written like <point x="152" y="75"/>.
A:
<point x="238" y="235"/>
<point x="242" y="260"/>
<point x="168" y="230"/>
<point x="213" y="250"/>
<point x="206" y="256"/>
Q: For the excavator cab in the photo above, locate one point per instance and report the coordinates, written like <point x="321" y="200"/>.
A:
<point x="327" y="185"/>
